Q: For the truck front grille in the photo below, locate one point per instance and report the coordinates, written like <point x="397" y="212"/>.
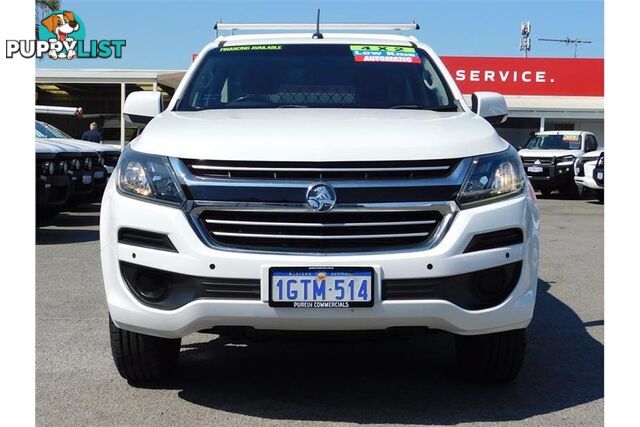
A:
<point x="334" y="231"/>
<point x="374" y="170"/>
<point x="264" y="206"/>
<point x="540" y="160"/>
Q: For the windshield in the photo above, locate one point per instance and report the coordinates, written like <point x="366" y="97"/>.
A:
<point x="555" y="142"/>
<point x="317" y="76"/>
<point x="49" y="131"/>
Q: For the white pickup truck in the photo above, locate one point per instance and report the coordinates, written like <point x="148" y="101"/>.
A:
<point x="327" y="182"/>
<point x="548" y="158"/>
<point x="91" y="172"/>
<point x="589" y="175"/>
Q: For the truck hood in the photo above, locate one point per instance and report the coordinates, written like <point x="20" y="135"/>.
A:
<point x="44" y="148"/>
<point x="543" y="154"/>
<point x="51" y="145"/>
<point x="311" y="134"/>
<point x="592" y="155"/>
<point x="84" y="145"/>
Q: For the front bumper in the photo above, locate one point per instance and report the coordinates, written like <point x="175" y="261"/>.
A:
<point x="552" y="177"/>
<point x="52" y="191"/>
<point x="82" y="183"/>
<point x="587" y="182"/>
<point x="100" y="178"/>
<point x="194" y="258"/>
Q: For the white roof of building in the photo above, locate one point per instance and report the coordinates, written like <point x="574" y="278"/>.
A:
<point x="555" y="102"/>
<point x="85" y="75"/>
<point x="553" y="106"/>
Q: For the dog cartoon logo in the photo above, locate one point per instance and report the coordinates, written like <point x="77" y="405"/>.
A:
<point x="64" y="27"/>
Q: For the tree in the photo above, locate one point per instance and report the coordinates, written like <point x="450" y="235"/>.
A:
<point x="43" y="8"/>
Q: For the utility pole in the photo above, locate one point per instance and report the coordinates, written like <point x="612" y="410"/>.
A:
<point x="525" y="37"/>
<point x="568" y="41"/>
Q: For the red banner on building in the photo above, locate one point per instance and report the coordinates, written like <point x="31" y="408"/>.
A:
<point x="528" y="76"/>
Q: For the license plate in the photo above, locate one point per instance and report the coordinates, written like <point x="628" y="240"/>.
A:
<point x="310" y="287"/>
<point x="86" y="179"/>
<point x="600" y="175"/>
<point x="535" y="169"/>
<point x="98" y="175"/>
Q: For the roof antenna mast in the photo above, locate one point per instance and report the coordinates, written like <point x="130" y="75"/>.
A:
<point x="318" y="34"/>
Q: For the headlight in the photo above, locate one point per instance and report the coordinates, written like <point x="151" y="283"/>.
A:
<point x="49" y="168"/>
<point x="493" y="177"/>
<point x="76" y="164"/>
<point x="149" y="177"/>
<point x="101" y="161"/>
<point x="88" y="163"/>
<point x="565" y="160"/>
<point x="63" y="166"/>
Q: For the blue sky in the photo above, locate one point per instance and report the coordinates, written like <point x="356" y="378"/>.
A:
<point x="162" y="34"/>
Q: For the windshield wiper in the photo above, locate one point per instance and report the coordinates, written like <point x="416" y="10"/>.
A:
<point x="443" y="108"/>
<point x="408" y="107"/>
<point x="420" y="107"/>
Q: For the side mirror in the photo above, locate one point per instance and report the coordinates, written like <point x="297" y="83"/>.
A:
<point x="141" y="107"/>
<point x="490" y="105"/>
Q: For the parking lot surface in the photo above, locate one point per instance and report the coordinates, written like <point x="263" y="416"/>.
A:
<point x="333" y="379"/>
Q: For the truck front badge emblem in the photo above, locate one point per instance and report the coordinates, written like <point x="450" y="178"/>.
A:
<point x="321" y="197"/>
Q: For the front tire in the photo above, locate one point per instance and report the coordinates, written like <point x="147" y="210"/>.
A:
<point x="142" y="358"/>
<point x="492" y="358"/>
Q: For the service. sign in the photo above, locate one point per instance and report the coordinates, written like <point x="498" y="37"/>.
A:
<point x="528" y="76"/>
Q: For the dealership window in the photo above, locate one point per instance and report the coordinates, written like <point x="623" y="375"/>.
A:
<point x="517" y="130"/>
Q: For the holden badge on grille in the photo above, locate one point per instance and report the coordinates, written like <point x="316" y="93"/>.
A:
<point x="321" y="197"/>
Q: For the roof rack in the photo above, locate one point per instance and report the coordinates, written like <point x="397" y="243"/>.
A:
<point x="313" y="26"/>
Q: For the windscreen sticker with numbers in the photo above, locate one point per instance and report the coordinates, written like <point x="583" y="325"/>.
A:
<point x="395" y="54"/>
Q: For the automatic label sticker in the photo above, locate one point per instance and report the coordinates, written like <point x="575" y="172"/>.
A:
<point x="396" y="54"/>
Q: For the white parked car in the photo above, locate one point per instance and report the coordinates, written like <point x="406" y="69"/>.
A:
<point x="589" y="174"/>
<point x="305" y="183"/>
<point x="98" y="159"/>
<point x="548" y="158"/>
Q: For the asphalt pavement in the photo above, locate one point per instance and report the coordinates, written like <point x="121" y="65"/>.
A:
<point x="370" y="379"/>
